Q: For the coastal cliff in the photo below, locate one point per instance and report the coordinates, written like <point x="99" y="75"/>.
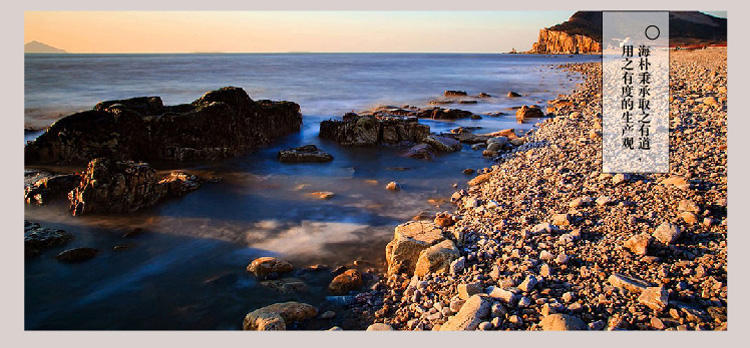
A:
<point x="582" y="33"/>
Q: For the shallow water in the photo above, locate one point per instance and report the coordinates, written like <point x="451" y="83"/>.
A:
<point x="186" y="269"/>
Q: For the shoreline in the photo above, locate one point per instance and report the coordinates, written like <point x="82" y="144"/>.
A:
<point x="569" y="262"/>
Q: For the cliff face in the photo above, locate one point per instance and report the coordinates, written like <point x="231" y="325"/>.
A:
<point x="560" y="42"/>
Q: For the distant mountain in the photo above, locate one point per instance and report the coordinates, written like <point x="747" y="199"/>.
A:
<point x="38" y="47"/>
<point x="582" y="33"/>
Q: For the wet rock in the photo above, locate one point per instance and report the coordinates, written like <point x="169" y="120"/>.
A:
<point x="443" y="144"/>
<point x="452" y="93"/>
<point x="474" y="311"/>
<point x="76" y="255"/>
<point x="262" y="267"/>
<point x="562" y="322"/>
<point x="307" y="153"/>
<point x="393" y="186"/>
<point x="369" y="130"/>
<point x="121" y="187"/>
<point x="286" y="285"/>
<point x="220" y="124"/>
<point x="446" y="114"/>
<point x="420" y="151"/>
<point x="436" y="259"/>
<point x="512" y="94"/>
<point x="483" y="95"/>
<point x="278" y="315"/>
<point x="667" y="233"/>
<point x="655" y="298"/>
<point x="37" y="238"/>
<point x="409" y="240"/>
<point x="323" y="194"/>
<point x="468" y="171"/>
<point x="50" y="188"/>
<point x="528" y="112"/>
<point x="328" y="315"/>
<point x="343" y="283"/>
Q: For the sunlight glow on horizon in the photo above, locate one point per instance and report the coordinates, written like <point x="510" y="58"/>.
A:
<point x="288" y="31"/>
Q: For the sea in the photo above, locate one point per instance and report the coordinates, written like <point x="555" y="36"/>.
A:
<point x="185" y="269"/>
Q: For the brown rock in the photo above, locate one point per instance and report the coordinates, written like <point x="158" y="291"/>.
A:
<point x="526" y="112"/>
<point x="473" y="311"/>
<point x="562" y="322"/>
<point x="278" y="315"/>
<point x="639" y="244"/>
<point x="655" y="298"/>
<point x="409" y="240"/>
<point x="263" y="266"/>
<point x="436" y="259"/>
<point x="345" y="282"/>
<point x="480" y="179"/>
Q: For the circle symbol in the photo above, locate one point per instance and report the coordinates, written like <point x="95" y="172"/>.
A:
<point x="652" y="32"/>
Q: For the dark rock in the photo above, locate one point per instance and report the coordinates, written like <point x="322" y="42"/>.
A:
<point x="51" y="188"/>
<point x="220" y="124"/>
<point x="307" y="153"/>
<point x="345" y="282"/>
<point x="37" y="238"/>
<point x="76" y="255"/>
<point x="118" y="187"/>
<point x="512" y="94"/>
<point x="420" y="151"/>
<point x="374" y="130"/>
<point x="450" y="93"/>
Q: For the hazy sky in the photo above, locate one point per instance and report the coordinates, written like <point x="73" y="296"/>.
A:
<point x="280" y="31"/>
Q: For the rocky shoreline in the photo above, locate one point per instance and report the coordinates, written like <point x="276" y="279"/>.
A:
<point x="545" y="241"/>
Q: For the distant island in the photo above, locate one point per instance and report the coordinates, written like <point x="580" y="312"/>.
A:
<point x="39" y="47"/>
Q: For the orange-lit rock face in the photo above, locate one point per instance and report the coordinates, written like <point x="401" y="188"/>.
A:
<point x="559" y="42"/>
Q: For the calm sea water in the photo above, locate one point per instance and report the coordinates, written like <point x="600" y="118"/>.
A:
<point x="186" y="270"/>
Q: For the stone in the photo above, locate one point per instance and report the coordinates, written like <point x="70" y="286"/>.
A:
<point x="457" y="266"/>
<point x="409" y="240"/>
<point x="76" y="255"/>
<point x="393" y="186"/>
<point x="37" y="238"/>
<point x="562" y="322"/>
<point x="50" y="188"/>
<point x="501" y="141"/>
<point x="262" y="267"/>
<point x="561" y="219"/>
<point x="420" y="151"/>
<point x="278" y="316"/>
<point x="442" y="143"/>
<point x="286" y="285"/>
<point x="529" y="283"/>
<point x="544" y="227"/>
<point x="512" y="94"/>
<point x="474" y="311"/>
<point x="562" y="259"/>
<point x="370" y="130"/>
<point x="580" y="202"/>
<point x="466" y="290"/>
<point x="689" y="206"/>
<point x="436" y="259"/>
<point x="619" y="178"/>
<point x="343" y="283"/>
<point x="444" y="220"/>
<point x="603" y="200"/>
<point x="307" y="153"/>
<point x="109" y="186"/>
<point x="336" y="328"/>
<point x="527" y="112"/>
<point x="220" y="124"/>
<point x="655" y="298"/>
<point x="480" y="179"/>
<point x="323" y="194"/>
<point x="379" y="327"/>
<point x="507" y="296"/>
<point x="451" y="93"/>
<point x="546" y="255"/>
<point x="624" y="282"/>
<point x="688" y="217"/>
<point x="639" y="243"/>
<point x="676" y="181"/>
<point x="667" y="233"/>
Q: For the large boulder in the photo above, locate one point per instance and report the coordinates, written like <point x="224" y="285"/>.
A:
<point x="409" y="240"/>
<point x="368" y="130"/>
<point x="220" y="124"/>
<point x="110" y="186"/>
<point x="436" y="259"/>
<point x="50" y="188"/>
<point x="442" y="143"/>
<point x="278" y="315"/>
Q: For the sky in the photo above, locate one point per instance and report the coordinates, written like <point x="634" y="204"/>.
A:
<point x="286" y="31"/>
